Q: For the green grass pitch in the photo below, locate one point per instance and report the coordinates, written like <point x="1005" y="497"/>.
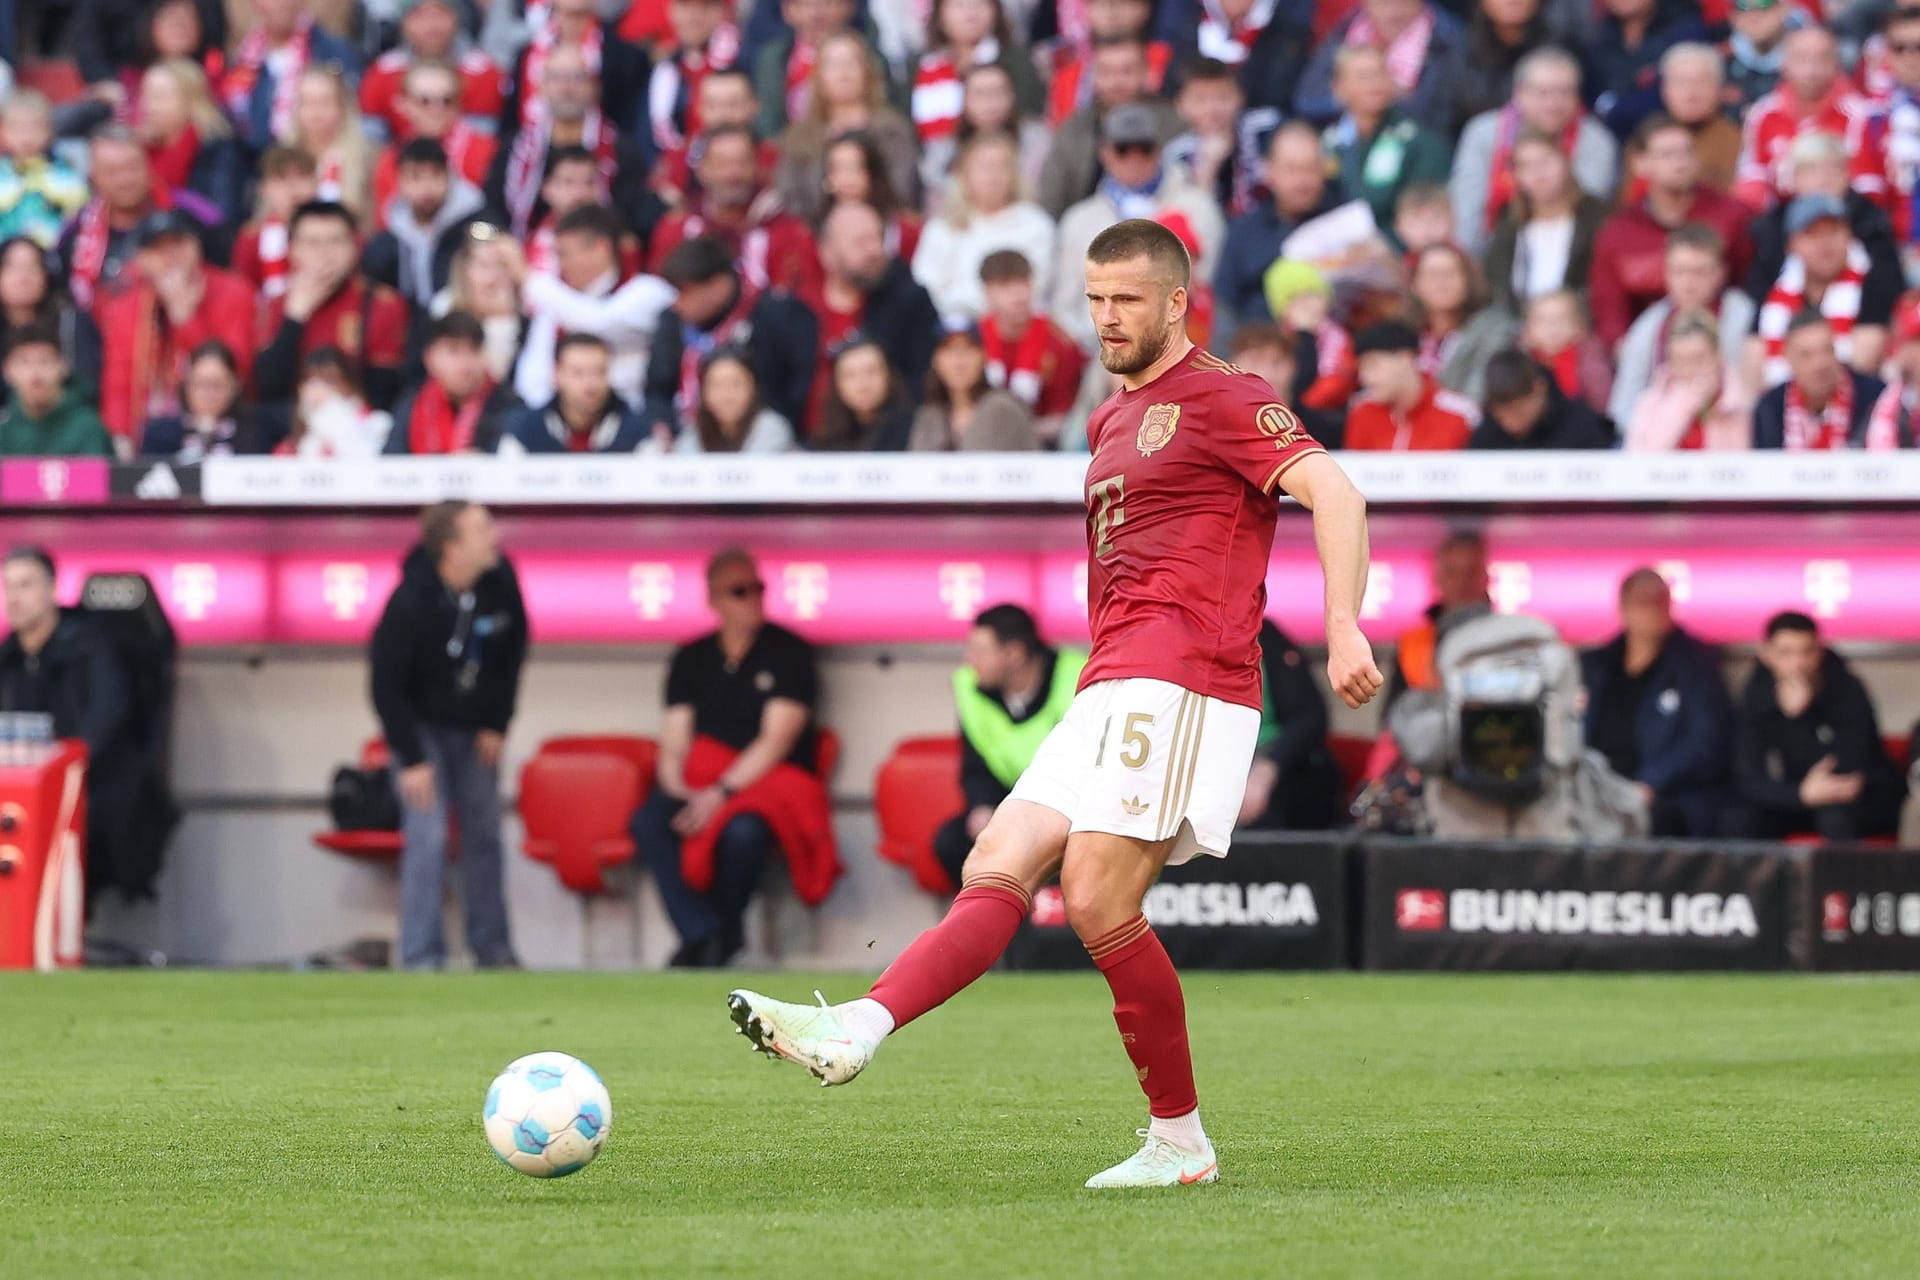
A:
<point x="214" y="1125"/>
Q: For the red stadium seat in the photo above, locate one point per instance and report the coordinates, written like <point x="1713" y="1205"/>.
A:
<point x="1351" y="755"/>
<point x="826" y="756"/>
<point x="367" y="846"/>
<point x="577" y="809"/>
<point x="643" y="752"/>
<point x="914" y="793"/>
<point x="58" y="78"/>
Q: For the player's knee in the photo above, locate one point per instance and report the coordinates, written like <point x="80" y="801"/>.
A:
<point x="992" y="852"/>
<point x="1093" y="908"/>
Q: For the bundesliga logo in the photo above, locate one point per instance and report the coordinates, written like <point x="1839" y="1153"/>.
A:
<point x="1576" y="912"/>
<point x="1886" y="915"/>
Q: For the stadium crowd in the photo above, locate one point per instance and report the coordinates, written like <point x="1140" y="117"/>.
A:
<point x="431" y="226"/>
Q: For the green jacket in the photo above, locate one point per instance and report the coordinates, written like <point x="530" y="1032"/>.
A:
<point x="1005" y="745"/>
<point x="69" y="430"/>
<point x="1401" y="152"/>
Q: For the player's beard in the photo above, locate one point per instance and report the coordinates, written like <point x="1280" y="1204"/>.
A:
<point x="1141" y="356"/>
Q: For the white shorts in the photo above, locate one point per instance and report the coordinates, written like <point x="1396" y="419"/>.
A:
<point x="1150" y="761"/>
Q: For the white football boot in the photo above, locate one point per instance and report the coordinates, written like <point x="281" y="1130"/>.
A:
<point x="812" y="1035"/>
<point x="1160" y="1164"/>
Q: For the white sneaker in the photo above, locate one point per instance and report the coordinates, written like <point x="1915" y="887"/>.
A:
<point x="1160" y="1164"/>
<point x="813" y="1036"/>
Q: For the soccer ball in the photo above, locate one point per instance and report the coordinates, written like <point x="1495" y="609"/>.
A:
<point x="547" y="1115"/>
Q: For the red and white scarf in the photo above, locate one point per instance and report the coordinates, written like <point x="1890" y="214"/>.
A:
<point x="1015" y="365"/>
<point x="250" y="63"/>
<point x="1333" y="349"/>
<point x="736" y="327"/>
<point x="92" y="238"/>
<point x="939" y="93"/>
<point x="1408" y="52"/>
<point x="673" y="91"/>
<point x="542" y="255"/>
<point x="1840" y="304"/>
<point x="1229" y="41"/>
<point x="1503" y="188"/>
<point x="273" y="258"/>
<point x="545" y="39"/>
<point x="1832" y="427"/>
<point x="330" y="178"/>
<point x="527" y="161"/>
<point x="800" y="77"/>
<point x="435" y="426"/>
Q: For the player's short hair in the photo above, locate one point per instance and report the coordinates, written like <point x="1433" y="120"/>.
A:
<point x="1512" y="376"/>
<point x="1011" y="624"/>
<point x="1694" y="235"/>
<point x="1143" y="238"/>
<point x="1003" y="265"/>
<point x="1792" y="620"/>
<point x="440" y="525"/>
<point x="1643" y="577"/>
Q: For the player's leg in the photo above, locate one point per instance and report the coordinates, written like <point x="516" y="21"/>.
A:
<point x="1104" y="880"/>
<point x="1017" y="852"/>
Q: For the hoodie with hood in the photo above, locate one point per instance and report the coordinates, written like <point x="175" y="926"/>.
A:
<point x="68" y="430"/>
<point x="1773" y="753"/>
<point x="444" y="658"/>
<point x="416" y="259"/>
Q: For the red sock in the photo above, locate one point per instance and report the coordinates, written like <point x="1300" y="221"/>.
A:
<point x="1150" y="1012"/>
<point x="944" y="961"/>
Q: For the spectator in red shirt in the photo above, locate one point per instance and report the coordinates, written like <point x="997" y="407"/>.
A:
<point x="288" y="179"/>
<point x="430" y="33"/>
<point x="98" y="245"/>
<point x="329" y="304"/>
<point x="460" y="408"/>
<point x="1813" y="97"/>
<point x="772" y="249"/>
<point x="174" y="302"/>
<point x="1404" y="409"/>
<point x="1027" y="354"/>
<point x="189" y="143"/>
<point x="866" y="294"/>
<point x="1629" y="254"/>
<point x="1820" y="165"/>
<point x="1071" y="87"/>
<point x="430" y="104"/>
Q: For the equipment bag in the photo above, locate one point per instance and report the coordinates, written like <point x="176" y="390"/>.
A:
<point x="363" y="800"/>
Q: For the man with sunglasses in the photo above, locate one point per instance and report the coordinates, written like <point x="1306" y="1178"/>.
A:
<point x="430" y="33"/>
<point x="430" y="102"/>
<point x="736" y="776"/>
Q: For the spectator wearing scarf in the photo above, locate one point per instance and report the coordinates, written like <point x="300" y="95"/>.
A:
<point x="1418" y="39"/>
<point x="1827" y="273"/>
<point x="460" y="408"/>
<point x="259" y="84"/>
<point x="1823" y="404"/>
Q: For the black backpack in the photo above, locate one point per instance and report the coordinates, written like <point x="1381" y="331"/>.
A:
<point x="363" y="800"/>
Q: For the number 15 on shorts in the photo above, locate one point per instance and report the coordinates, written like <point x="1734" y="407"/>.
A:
<point x="1135" y="747"/>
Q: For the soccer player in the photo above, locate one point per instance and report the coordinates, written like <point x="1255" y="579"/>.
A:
<point x="1150" y="764"/>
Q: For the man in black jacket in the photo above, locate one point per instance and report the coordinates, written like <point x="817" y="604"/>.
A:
<point x="866" y="292"/>
<point x="56" y="661"/>
<point x="446" y="672"/>
<point x="1525" y="409"/>
<point x="1010" y="693"/>
<point x="427" y="223"/>
<point x="459" y="408"/>
<point x="1823" y="404"/>
<point x="715" y="309"/>
<point x="1807" y="754"/>
<point x="1294" y="784"/>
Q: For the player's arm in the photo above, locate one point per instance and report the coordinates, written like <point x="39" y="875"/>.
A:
<point x="1317" y="483"/>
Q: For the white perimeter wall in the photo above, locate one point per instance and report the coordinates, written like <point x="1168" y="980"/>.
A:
<point x="258" y="738"/>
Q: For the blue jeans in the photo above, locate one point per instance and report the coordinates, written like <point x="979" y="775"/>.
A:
<point x="739" y="857"/>
<point x="471" y="792"/>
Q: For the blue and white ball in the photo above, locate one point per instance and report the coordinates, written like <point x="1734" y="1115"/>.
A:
<point x="547" y="1115"/>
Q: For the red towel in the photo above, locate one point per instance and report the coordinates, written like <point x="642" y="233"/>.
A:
<point x="789" y="799"/>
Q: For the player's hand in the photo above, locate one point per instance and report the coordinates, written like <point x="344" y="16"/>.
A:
<point x="416" y="786"/>
<point x="487" y="745"/>
<point x="1350" y="667"/>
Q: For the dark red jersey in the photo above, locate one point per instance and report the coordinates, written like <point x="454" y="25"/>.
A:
<point x="1180" y="514"/>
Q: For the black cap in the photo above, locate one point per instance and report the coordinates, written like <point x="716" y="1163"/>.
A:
<point x="162" y="223"/>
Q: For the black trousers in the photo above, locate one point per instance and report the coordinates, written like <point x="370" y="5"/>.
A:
<point x="1875" y="813"/>
<point x="952" y="844"/>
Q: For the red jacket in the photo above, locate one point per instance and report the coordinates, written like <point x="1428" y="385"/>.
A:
<point x="1441" y="420"/>
<point x="144" y="357"/>
<point x="482" y="90"/>
<point x="1774" y="121"/>
<point x="1629" y="272"/>
<point x="371" y="331"/>
<point x="788" y="799"/>
<point x="777" y="253"/>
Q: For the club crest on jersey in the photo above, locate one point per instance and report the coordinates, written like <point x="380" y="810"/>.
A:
<point x="1278" y="421"/>
<point x="1157" y="428"/>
